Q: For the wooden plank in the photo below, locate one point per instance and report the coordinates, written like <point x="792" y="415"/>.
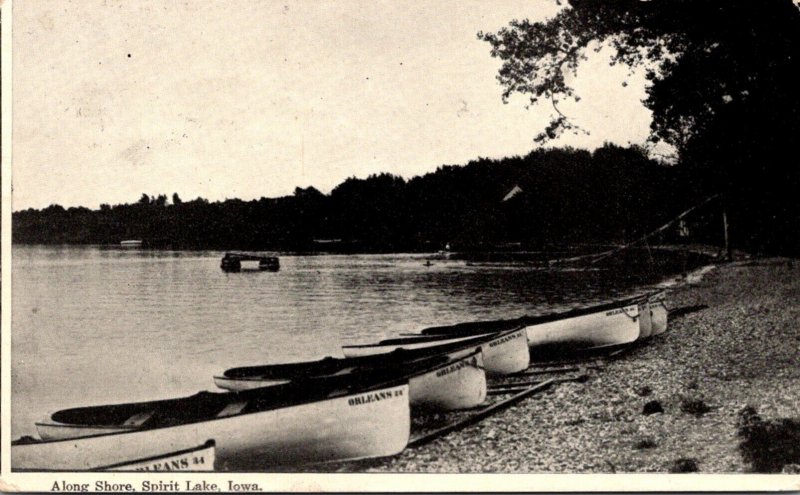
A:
<point x="474" y="418"/>
<point x="507" y="387"/>
<point x="514" y="384"/>
<point x="577" y="361"/>
<point x="561" y="369"/>
<point x="501" y="391"/>
<point x="619" y="352"/>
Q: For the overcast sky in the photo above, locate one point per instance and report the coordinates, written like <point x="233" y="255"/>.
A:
<point x="249" y="99"/>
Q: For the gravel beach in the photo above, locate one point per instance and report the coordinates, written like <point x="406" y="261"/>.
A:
<point x="743" y="349"/>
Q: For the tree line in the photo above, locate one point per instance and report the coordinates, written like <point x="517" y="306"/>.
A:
<point x="544" y="200"/>
<point x="721" y="86"/>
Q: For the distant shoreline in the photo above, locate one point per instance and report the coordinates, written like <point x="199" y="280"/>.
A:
<point x="702" y="249"/>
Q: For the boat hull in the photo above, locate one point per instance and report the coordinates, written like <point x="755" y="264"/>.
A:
<point x="354" y="426"/>
<point x="193" y="460"/>
<point x="507" y="353"/>
<point x="609" y="327"/>
<point x="503" y="353"/>
<point x="459" y="385"/>
<point x="658" y="316"/>
<point x="645" y="320"/>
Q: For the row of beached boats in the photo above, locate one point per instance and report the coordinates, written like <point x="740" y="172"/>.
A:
<point x="333" y="409"/>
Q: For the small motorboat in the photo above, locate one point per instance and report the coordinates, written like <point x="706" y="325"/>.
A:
<point x="445" y="380"/>
<point x="316" y="420"/>
<point x="504" y="352"/>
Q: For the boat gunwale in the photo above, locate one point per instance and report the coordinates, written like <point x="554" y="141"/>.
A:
<point x="411" y="374"/>
<point x="338" y="365"/>
<point x="467" y="339"/>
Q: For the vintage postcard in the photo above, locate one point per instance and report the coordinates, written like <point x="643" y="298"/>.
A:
<point x="295" y="245"/>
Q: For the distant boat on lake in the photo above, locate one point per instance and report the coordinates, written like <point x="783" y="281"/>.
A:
<point x="232" y="262"/>
<point x="131" y="243"/>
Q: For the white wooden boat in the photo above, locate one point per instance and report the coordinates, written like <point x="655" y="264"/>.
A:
<point x="461" y="384"/>
<point x="332" y="419"/>
<point x="403" y="361"/>
<point x="593" y="327"/>
<point x="580" y="329"/>
<point x="453" y="379"/>
<point x="645" y="319"/>
<point x="504" y="352"/>
<point x="658" y="314"/>
<point x="200" y="458"/>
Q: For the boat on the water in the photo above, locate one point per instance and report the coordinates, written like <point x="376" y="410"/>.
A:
<point x="450" y="379"/>
<point x="586" y="328"/>
<point x="237" y="262"/>
<point x="504" y="352"/>
<point x="318" y="420"/>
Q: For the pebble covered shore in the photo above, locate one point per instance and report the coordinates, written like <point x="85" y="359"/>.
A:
<point x="743" y="349"/>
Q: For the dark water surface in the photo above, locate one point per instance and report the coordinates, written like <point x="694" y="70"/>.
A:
<point x="93" y="325"/>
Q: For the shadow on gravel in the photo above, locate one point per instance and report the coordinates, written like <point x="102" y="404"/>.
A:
<point x="768" y="446"/>
<point x="695" y="407"/>
<point x="645" y="443"/>
<point x="684" y="465"/>
<point x="685" y="310"/>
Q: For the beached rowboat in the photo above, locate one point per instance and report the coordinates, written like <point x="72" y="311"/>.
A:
<point x="645" y="319"/>
<point x="330" y="419"/>
<point x="592" y="327"/>
<point x="658" y="315"/>
<point x="448" y="381"/>
<point x="504" y="353"/>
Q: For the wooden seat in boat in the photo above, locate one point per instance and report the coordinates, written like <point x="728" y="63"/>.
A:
<point x="138" y="419"/>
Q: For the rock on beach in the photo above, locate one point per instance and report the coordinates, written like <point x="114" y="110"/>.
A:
<point x="744" y="349"/>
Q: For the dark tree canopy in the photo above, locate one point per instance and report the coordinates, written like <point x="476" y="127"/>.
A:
<point x="700" y="56"/>
<point x="721" y="86"/>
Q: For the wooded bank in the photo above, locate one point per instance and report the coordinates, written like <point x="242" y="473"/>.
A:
<point x="547" y="199"/>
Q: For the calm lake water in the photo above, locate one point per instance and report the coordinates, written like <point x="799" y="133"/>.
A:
<point x="92" y="325"/>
